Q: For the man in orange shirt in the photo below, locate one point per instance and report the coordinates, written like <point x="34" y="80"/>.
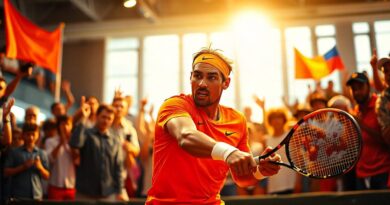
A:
<point x="197" y="140"/>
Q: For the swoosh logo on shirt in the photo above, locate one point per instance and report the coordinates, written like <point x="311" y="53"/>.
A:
<point x="227" y="134"/>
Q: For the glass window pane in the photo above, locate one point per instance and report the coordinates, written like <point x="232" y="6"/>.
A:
<point x="325" y="44"/>
<point x="260" y="70"/>
<point x="160" y="68"/>
<point x="119" y="63"/>
<point x="300" y="38"/>
<point x="383" y="42"/>
<point x="192" y="43"/>
<point x="363" y="53"/>
<point x="121" y="69"/>
<point x="325" y="30"/>
<point x="123" y="43"/>
<point x="360" y="27"/>
<point x="382" y="26"/>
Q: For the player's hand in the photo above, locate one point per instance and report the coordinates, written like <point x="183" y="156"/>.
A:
<point x="269" y="169"/>
<point x="241" y="163"/>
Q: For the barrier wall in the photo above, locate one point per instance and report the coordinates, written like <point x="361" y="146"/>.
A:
<point x="331" y="198"/>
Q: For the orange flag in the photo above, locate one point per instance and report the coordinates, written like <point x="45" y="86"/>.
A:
<point x="317" y="67"/>
<point x="26" y="41"/>
<point x="313" y="68"/>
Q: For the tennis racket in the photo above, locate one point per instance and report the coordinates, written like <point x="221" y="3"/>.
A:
<point x="324" y="144"/>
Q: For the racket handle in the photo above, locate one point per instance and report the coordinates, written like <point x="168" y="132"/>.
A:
<point x="257" y="160"/>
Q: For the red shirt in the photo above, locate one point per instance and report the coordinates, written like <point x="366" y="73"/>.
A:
<point x="375" y="156"/>
<point x="180" y="178"/>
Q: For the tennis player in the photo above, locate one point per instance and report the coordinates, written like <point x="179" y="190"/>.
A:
<point x="197" y="140"/>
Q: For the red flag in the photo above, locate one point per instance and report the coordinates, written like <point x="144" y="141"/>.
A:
<point x="28" y="42"/>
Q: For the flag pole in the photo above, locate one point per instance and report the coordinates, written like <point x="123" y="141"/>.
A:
<point x="57" y="91"/>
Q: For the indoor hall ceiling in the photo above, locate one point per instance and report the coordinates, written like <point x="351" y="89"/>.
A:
<point x="51" y="12"/>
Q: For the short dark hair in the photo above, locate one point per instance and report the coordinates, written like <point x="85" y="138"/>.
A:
<point x="62" y="119"/>
<point x="30" y="127"/>
<point x="106" y="107"/>
<point x="54" y="105"/>
<point x="49" y="124"/>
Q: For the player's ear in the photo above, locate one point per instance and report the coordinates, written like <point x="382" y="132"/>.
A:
<point x="226" y="83"/>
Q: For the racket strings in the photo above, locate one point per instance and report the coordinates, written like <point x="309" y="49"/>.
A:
<point x="327" y="144"/>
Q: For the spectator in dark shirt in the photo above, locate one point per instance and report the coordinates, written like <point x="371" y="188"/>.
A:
<point x="27" y="165"/>
<point x="98" y="177"/>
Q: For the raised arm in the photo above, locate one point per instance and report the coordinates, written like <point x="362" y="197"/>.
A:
<point x="7" y="130"/>
<point x="66" y="87"/>
<point x="378" y="83"/>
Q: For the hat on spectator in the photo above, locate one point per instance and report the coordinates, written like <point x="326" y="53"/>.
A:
<point x="357" y="77"/>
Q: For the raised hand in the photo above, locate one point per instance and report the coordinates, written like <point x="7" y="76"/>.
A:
<point x="65" y="85"/>
<point x="85" y="108"/>
<point x="7" y="107"/>
<point x="374" y="59"/>
<point x="118" y="92"/>
<point x="259" y="102"/>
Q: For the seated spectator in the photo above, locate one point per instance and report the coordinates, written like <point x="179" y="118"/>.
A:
<point x="27" y="165"/>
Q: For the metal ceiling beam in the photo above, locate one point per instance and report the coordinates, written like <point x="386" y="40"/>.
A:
<point x="146" y="11"/>
<point x="88" y="7"/>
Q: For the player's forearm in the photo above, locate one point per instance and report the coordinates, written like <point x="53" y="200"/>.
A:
<point x="196" y="143"/>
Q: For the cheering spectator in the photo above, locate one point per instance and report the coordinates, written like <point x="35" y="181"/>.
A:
<point x="101" y="152"/>
<point x="27" y="165"/>
<point x="62" y="179"/>
<point x="373" y="167"/>
<point x="383" y="104"/>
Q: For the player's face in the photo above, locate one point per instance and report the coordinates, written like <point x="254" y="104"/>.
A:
<point x="207" y="84"/>
<point x="360" y="92"/>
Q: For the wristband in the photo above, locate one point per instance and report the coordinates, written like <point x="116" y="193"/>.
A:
<point x="221" y="151"/>
<point x="258" y="175"/>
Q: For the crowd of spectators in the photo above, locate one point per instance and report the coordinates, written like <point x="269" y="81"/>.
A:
<point x="103" y="152"/>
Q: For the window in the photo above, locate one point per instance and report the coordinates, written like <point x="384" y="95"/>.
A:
<point x="363" y="53"/>
<point x="299" y="38"/>
<point x="160" y="68"/>
<point x="260" y="69"/>
<point x="121" y="70"/>
<point x="382" y="31"/>
<point x="325" y="41"/>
